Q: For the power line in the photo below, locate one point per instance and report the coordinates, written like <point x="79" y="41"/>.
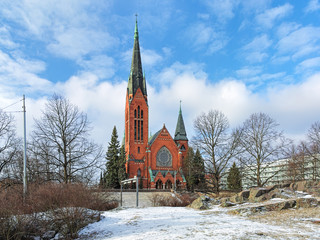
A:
<point x="12" y="111"/>
<point x="11" y="104"/>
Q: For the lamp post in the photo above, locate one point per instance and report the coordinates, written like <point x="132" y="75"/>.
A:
<point x="148" y="151"/>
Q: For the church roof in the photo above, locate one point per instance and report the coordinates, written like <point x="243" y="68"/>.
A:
<point x="180" y="133"/>
<point x="136" y="78"/>
<point x="153" y="137"/>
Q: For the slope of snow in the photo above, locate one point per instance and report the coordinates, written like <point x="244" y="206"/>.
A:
<point x="185" y="223"/>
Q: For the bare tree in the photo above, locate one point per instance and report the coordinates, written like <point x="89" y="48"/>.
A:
<point x="314" y="149"/>
<point x="261" y="143"/>
<point x="61" y="138"/>
<point x="216" y="143"/>
<point x="9" y="143"/>
<point x="297" y="162"/>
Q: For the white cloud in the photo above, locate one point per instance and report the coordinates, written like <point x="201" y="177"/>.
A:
<point x="73" y="43"/>
<point x="202" y="36"/>
<point x="69" y="28"/>
<point x="255" y="6"/>
<point x="17" y="72"/>
<point x="268" y="18"/>
<point x="308" y="64"/>
<point x="100" y="65"/>
<point x="255" y="51"/>
<point x="248" y="71"/>
<point x="313" y="6"/>
<point x="300" y="42"/>
<point x="5" y="38"/>
<point x="222" y="9"/>
<point x="286" y="28"/>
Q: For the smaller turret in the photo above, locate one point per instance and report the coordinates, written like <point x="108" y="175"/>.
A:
<point x="180" y="133"/>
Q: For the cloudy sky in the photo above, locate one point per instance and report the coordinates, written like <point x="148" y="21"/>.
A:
<point x="239" y="57"/>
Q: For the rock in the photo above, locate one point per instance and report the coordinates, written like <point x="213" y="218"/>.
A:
<point x="306" y="202"/>
<point x="280" y="205"/>
<point x="244" y="194"/>
<point x="201" y="203"/>
<point x="277" y="206"/>
<point x="240" y="197"/>
<point x="255" y="193"/>
<point x="302" y="186"/>
<point x="227" y="204"/>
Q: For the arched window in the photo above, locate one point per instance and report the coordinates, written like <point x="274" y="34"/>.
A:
<point x="139" y="173"/>
<point x="138" y="124"/>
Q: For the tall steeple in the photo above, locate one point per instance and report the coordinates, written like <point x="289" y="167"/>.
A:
<point x="136" y="78"/>
<point x="180" y="133"/>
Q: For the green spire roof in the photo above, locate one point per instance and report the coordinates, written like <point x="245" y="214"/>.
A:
<point x="180" y="133"/>
<point x="136" y="78"/>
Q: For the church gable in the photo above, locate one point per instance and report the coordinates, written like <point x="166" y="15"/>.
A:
<point x="162" y="134"/>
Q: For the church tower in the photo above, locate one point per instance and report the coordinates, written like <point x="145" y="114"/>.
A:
<point x="157" y="160"/>
<point x="136" y="111"/>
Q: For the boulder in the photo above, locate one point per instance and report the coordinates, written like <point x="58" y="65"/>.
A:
<point x="276" y="206"/>
<point x="306" y="202"/>
<point x="227" y="204"/>
<point x="280" y="205"/>
<point x="255" y="194"/>
<point x="201" y="203"/>
<point x="240" y="197"/>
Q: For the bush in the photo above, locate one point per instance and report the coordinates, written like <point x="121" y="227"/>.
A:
<point x="66" y="206"/>
<point x="173" y="200"/>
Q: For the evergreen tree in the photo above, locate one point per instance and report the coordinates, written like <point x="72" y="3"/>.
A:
<point x="198" y="170"/>
<point x="234" y="178"/>
<point x="187" y="169"/>
<point x="111" y="177"/>
<point x="122" y="164"/>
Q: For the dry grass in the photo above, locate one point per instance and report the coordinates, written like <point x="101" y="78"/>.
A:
<point x="222" y="194"/>
<point x="288" y="217"/>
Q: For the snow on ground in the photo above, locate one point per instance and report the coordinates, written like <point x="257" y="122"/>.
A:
<point x="185" y="223"/>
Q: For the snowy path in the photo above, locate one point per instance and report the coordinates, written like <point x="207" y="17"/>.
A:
<point x="185" y="223"/>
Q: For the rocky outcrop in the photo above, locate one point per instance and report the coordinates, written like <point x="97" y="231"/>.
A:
<point x="201" y="203"/>
<point x="273" y="198"/>
<point x="271" y="206"/>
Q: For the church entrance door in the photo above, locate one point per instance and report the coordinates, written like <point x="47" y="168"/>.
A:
<point x="168" y="184"/>
<point x="159" y="184"/>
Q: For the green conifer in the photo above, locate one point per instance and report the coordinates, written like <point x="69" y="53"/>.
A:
<point x="198" y="170"/>
<point x="187" y="168"/>
<point x="112" y="174"/>
<point x="234" y="178"/>
<point x="122" y="164"/>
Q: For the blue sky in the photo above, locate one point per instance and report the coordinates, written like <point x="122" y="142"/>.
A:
<point x="239" y="57"/>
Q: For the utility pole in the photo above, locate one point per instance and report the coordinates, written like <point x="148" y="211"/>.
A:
<point x="24" y="149"/>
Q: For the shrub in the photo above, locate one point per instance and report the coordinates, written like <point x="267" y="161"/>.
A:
<point x="65" y="205"/>
<point x="173" y="200"/>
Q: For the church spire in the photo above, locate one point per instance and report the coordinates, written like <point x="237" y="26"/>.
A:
<point x="180" y="133"/>
<point x="136" y="78"/>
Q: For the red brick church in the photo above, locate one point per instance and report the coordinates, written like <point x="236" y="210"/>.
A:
<point x="156" y="159"/>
